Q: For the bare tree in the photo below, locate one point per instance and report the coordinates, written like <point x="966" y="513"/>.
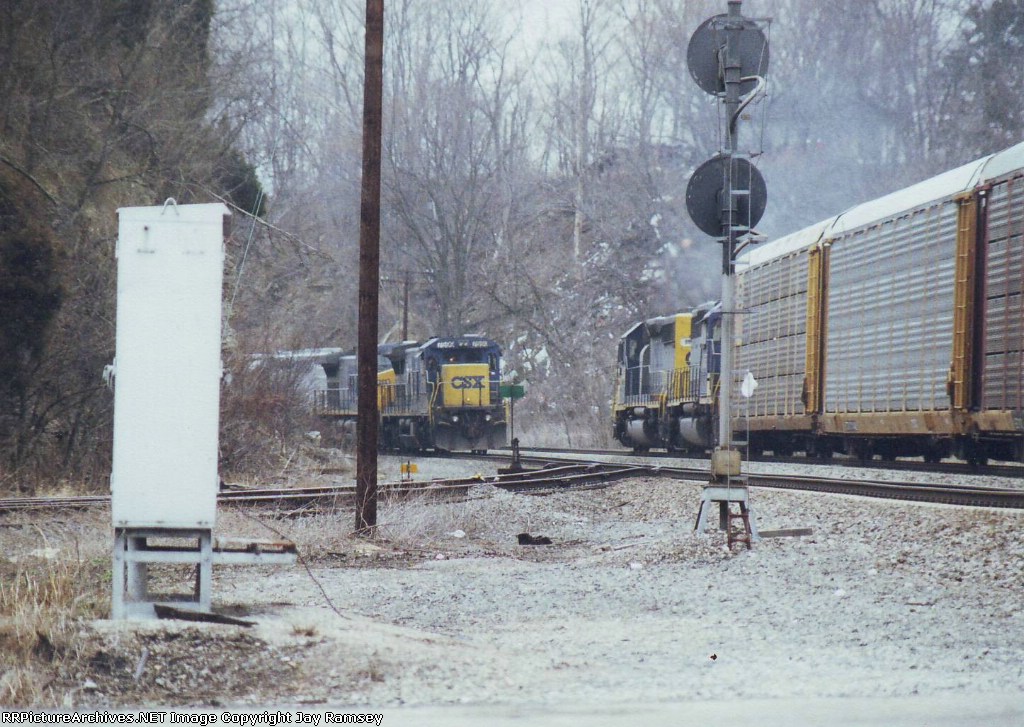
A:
<point x="984" y="74"/>
<point x="106" y="105"/>
<point x="857" y="90"/>
<point x="454" y="132"/>
<point x="582" y="118"/>
<point x="290" y="74"/>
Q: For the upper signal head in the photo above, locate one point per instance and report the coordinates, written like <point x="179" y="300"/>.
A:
<point x="704" y="54"/>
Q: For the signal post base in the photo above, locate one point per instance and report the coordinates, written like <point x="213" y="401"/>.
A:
<point x="738" y="524"/>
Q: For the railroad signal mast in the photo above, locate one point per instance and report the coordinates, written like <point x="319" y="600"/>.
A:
<point x="726" y="197"/>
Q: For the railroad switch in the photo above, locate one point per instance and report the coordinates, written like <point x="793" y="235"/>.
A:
<point x="516" y="465"/>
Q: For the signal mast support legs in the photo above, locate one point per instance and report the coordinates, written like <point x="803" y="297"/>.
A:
<point x="743" y="531"/>
<point x="133" y="554"/>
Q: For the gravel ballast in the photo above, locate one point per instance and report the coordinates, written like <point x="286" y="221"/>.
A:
<point x="895" y="610"/>
<point x="883" y="599"/>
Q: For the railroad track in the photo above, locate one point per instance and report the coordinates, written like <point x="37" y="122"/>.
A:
<point x="960" y="495"/>
<point x="944" y="494"/>
<point x="566" y="476"/>
<point x="559" y="474"/>
<point x="1013" y="471"/>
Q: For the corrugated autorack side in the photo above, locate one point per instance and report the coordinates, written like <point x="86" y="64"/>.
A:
<point x="893" y="329"/>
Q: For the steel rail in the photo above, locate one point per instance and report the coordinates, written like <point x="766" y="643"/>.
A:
<point x="959" y="495"/>
<point x="567" y="476"/>
<point x="561" y="474"/>
<point x="1012" y="471"/>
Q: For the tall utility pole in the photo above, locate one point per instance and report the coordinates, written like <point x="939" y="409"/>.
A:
<point x="405" y="307"/>
<point x="404" y="276"/>
<point x="369" y="272"/>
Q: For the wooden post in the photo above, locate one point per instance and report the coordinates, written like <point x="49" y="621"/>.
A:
<point x="369" y="272"/>
<point x="405" y="307"/>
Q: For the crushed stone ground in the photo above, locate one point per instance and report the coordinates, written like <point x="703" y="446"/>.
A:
<point x="627" y="605"/>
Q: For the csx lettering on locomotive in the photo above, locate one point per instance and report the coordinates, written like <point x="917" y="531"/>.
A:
<point x="467" y="382"/>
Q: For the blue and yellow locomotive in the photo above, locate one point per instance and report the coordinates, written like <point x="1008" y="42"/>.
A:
<point x="667" y="381"/>
<point x="443" y="394"/>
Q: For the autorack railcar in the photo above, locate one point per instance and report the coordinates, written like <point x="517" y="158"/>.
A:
<point x="893" y="329"/>
<point x="897" y="327"/>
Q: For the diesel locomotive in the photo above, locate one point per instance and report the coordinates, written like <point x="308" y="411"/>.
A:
<point x="895" y="328"/>
<point x="442" y="394"/>
<point x="666" y="381"/>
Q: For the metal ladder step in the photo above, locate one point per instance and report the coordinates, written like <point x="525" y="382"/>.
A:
<point x="742" y="534"/>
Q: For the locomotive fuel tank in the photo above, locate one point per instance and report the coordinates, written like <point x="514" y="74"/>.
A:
<point x="643" y="433"/>
<point x="696" y="431"/>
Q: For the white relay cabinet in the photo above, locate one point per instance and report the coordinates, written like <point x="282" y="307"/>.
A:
<point x="166" y="377"/>
<point x="167" y="366"/>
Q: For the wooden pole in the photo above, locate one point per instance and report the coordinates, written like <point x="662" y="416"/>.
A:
<point x="405" y="308"/>
<point x="369" y="272"/>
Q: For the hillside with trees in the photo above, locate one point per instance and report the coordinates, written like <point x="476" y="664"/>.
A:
<point x="106" y="104"/>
